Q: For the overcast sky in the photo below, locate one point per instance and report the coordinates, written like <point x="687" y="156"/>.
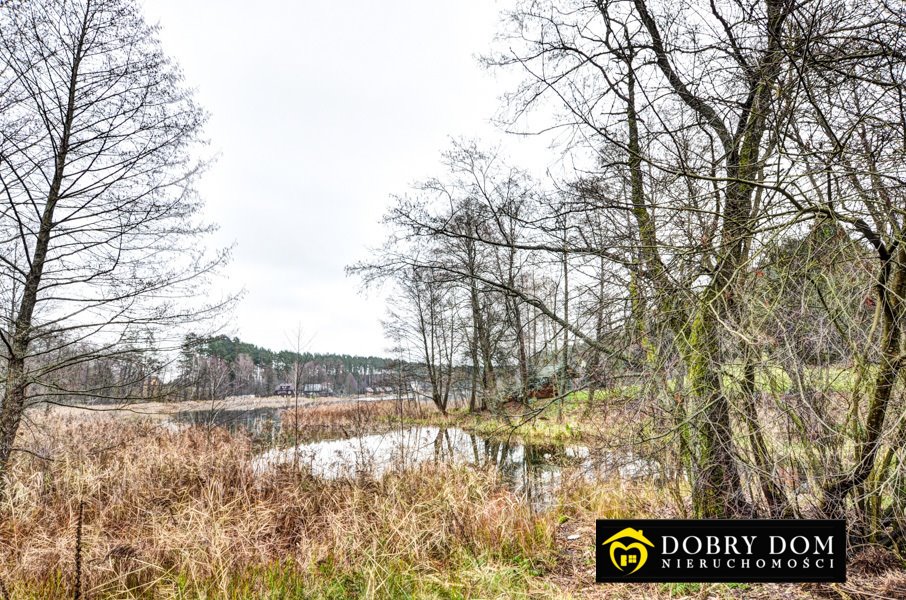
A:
<point x="320" y="111"/>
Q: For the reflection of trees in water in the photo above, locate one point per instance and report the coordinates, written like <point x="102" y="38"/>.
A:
<point x="525" y="468"/>
<point x="540" y="468"/>
<point x="531" y="470"/>
<point x="263" y="424"/>
<point x="444" y="450"/>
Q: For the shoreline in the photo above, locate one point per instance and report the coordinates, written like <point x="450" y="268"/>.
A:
<point x="230" y="403"/>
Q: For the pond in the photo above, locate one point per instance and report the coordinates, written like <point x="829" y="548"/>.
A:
<point x="533" y="470"/>
<point x="263" y="423"/>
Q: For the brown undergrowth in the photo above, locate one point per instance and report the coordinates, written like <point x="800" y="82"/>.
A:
<point x="181" y="514"/>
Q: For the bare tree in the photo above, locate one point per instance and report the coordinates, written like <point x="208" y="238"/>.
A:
<point x="735" y="172"/>
<point x="100" y="235"/>
<point x="298" y="344"/>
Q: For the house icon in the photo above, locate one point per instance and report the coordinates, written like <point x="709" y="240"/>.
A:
<point x="627" y="557"/>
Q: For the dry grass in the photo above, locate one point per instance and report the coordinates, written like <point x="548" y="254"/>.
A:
<point x="180" y="514"/>
<point x="349" y="418"/>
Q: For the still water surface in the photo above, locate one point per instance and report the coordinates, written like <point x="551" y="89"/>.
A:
<point x="532" y="470"/>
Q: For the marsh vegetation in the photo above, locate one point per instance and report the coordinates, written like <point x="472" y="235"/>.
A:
<point x="377" y="508"/>
<point x="698" y="309"/>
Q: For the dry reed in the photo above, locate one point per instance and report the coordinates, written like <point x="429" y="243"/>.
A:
<point x="180" y="513"/>
<point x="348" y="418"/>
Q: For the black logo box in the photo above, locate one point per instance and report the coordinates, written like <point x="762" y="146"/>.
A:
<point x="777" y="551"/>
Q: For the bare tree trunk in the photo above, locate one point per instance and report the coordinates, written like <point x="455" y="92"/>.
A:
<point x="473" y="352"/>
<point x="488" y="379"/>
<point x="563" y="387"/>
<point x="17" y="381"/>
<point x="478" y="346"/>
<point x="778" y="504"/>
<point x="595" y="365"/>
<point x="890" y="290"/>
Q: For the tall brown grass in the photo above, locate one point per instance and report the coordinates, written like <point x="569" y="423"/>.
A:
<point x="348" y="418"/>
<point x="180" y="513"/>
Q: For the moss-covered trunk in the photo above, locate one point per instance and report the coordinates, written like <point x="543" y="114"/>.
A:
<point x="891" y="289"/>
<point x="715" y="485"/>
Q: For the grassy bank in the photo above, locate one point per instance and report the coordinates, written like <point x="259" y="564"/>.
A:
<point x="570" y="420"/>
<point x="179" y="513"/>
<point x="332" y="420"/>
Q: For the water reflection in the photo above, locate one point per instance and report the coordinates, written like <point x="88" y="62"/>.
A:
<point x="263" y="424"/>
<point x="532" y="470"/>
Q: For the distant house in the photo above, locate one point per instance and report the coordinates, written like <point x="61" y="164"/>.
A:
<point x="420" y="388"/>
<point x="284" y="389"/>
<point x="317" y="389"/>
